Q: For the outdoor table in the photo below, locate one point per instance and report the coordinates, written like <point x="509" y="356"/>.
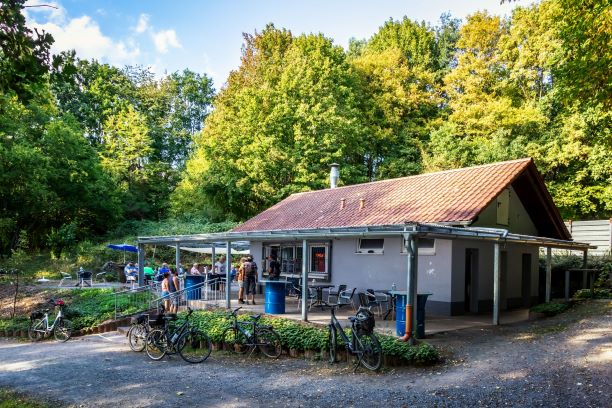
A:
<point x="319" y="287"/>
<point x="274" y="296"/>
<point x="192" y="281"/>
<point x="391" y="305"/>
<point x="400" y="315"/>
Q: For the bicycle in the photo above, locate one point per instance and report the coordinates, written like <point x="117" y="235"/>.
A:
<point x="140" y="328"/>
<point x="242" y="337"/>
<point x="362" y="342"/>
<point x="191" y="344"/>
<point x="39" y="324"/>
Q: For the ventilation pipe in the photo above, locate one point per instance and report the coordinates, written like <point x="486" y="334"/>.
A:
<point x="342" y="203"/>
<point x="411" y="281"/>
<point x="362" y="203"/>
<point x="334" y="175"/>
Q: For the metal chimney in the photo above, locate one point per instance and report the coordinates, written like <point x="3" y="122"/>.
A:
<point x="334" y="175"/>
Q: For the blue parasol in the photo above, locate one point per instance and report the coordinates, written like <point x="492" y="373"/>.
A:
<point x="123" y="247"/>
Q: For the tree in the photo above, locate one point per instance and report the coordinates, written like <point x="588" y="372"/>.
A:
<point x="288" y="112"/>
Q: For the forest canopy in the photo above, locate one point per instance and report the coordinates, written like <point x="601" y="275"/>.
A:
<point x="85" y="145"/>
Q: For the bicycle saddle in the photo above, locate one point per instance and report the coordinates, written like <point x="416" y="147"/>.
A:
<point x="256" y="317"/>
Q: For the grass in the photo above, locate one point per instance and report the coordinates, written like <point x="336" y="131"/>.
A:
<point x="12" y="399"/>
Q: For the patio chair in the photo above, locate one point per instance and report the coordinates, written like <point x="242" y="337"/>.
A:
<point x="312" y="296"/>
<point x="65" y="276"/>
<point x="366" y="301"/>
<point x="85" y="278"/>
<point x="346" y="298"/>
<point x="378" y="300"/>
<point x="101" y="277"/>
<point x="332" y="293"/>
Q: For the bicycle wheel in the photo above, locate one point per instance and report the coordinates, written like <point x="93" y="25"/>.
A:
<point x="269" y="342"/>
<point x="194" y="346"/>
<point x="156" y="344"/>
<point x="63" y="330"/>
<point x="235" y="341"/>
<point x="371" y="353"/>
<point x="36" y="331"/>
<point x="331" y="338"/>
<point x="137" y="337"/>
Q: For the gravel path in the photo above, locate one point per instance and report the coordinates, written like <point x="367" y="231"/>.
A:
<point x="563" y="361"/>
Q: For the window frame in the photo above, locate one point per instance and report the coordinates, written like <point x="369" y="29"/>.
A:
<point x="375" y="251"/>
<point x="421" y="251"/>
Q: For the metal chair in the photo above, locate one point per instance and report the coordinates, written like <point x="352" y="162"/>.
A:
<point x="365" y="301"/>
<point x="377" y="300"/>
<point x="346" y="298"/>
<point x="312" y="296"/>
<point x="65" y="276"/>
<point x="332" y="293"/>
<point x="85" y="278"/>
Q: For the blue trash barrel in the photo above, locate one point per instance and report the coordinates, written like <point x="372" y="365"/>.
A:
<point x="275" y="297"/>
<point x="400" y="315"/>
<point x="190" y="282"/>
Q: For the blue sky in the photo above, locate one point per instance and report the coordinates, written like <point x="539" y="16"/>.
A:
<point x="206" y="36"/>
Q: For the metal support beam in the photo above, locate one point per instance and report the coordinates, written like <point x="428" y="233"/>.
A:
<point x="548" y="272"/>
<point x="228" y="274"/>
<point x="213" y="256"/>
<point x="141" y="261"/>
<point x="178" y="258"/>
<point x="496" y="282"/>
<point x="585" y="274"/>
<point x="304" y="280"/>
<point x="415" y="286"/>
<point x="567" y="285"/>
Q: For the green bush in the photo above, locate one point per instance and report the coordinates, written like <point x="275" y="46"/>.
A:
<point x="301" y="336"/>
<point x="17" y="323"/>
<point x="550" y="309"/>
<point x="597" y="294"/>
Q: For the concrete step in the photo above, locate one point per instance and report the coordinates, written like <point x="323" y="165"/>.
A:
<point x="123" y="330"/>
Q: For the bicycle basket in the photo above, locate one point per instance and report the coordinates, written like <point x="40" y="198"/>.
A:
<point x="364" y="321"/>
<point x="37" y="314"/>
<point x="139" y="319"/>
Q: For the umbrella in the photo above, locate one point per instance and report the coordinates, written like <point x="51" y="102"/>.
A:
<point x="123" y="247"/>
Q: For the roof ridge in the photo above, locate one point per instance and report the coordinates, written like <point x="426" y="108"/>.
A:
<point x="524" y="159"/>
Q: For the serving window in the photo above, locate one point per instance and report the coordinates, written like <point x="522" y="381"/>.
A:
<point x="290" y="256"/>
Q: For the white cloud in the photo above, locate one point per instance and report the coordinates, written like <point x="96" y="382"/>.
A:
<point x="164" y="40"/>
<point x="143" y="23"/>
<point x="83" y="35"/>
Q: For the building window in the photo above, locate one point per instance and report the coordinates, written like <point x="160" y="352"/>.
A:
<point x="427" y="246"/>
<point x="371" y="246"/>
<point x="319" y="260"/>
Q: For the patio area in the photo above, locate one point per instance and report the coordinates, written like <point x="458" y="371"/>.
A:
<point x="317" y="315"/>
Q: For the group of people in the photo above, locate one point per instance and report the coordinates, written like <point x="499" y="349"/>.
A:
<point x="170" y="284"/>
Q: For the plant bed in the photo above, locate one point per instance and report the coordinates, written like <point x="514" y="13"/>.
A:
<point x="548" y="309"/>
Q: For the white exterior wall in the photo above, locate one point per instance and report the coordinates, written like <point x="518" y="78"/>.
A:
<point x="519" y="221"/>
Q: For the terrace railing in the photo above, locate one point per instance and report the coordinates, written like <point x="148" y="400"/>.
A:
<point x="210" y="293"/>
<point x="131" y="301"/>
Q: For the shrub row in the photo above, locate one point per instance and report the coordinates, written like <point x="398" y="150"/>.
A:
<point x="550" y="309"/>
<point x="302" y="337"/>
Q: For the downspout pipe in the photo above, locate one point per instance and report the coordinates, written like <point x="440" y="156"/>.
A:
<point x="408" y="240"/>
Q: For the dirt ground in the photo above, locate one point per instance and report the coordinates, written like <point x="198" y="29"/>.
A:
<point x="563" y="361"/>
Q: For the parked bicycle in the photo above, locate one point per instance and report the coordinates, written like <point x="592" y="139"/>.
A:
<point x="140" y="327"/>
<point x="244" y="336"/>
<point x="40" y="328"/>
<point x="362" y="341"/>
<point x="192" y="344"/>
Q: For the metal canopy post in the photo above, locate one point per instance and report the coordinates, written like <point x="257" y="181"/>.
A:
<point x="304" y="280"/>
<point x="548" y="272"/>
<point x="213" y="255"/>
<point x="178" y="258"/>
<point x="141" y="261"/>
<point x="584" y="273"/>
<point x="415" y="286"/>
<point x="496" y="281"/>
<point x="228" y="269"/>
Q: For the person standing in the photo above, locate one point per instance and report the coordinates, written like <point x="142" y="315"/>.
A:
<point x="241" y="279"/>
<point x="273" y="268"/>
<point x="173" y="288"/>
<point x="165" y="291"/>
<point x="250" y="278"/>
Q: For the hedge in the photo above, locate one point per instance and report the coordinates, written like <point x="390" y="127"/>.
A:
<point x="300" y="336"/>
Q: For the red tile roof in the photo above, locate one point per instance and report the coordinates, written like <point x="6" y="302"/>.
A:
<point x="452" y="196"/>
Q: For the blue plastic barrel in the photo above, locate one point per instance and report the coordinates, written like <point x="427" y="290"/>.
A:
<point x="275" y="297"/>
<point x="190" y="282"/>
<point x="400" y="315"/>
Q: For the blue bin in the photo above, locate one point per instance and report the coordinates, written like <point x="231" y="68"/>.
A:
<point x="275" y="297"/>
<point x="190" y="282"/>
<point x="400" y="315"/>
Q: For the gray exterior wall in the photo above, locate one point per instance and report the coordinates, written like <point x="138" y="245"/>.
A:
<point x="519" y="221"/>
